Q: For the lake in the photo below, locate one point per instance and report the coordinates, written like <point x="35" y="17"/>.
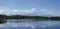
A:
<point x="30" y="24"/>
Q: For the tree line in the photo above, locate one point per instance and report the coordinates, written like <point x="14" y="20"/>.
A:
<point x="5" y="17"/>
<point x="28" y="17"/>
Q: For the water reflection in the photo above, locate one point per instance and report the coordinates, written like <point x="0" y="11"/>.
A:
<point x="29" y="24"/>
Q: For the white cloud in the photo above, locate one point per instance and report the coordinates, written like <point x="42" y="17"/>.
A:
<point x="33" y="11"/>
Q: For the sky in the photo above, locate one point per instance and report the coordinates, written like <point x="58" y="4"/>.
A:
<point x="30" y="7"/>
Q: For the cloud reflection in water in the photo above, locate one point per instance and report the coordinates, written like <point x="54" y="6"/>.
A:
<point x="32" y="24"/>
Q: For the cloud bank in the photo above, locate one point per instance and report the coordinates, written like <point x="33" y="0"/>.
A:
<point x="33" y="11"/>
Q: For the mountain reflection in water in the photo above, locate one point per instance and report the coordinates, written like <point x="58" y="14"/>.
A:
<point x="30" y="24"/>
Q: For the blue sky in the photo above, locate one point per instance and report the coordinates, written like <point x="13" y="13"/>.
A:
<point x="49" y="5"/>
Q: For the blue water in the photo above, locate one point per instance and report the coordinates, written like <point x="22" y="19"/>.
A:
<point x="30" y="24"/>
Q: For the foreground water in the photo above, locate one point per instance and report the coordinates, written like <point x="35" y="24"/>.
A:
<point x="30" y="24"/>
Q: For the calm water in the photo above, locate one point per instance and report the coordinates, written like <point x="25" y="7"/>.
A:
<point x="30" y="24"/>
